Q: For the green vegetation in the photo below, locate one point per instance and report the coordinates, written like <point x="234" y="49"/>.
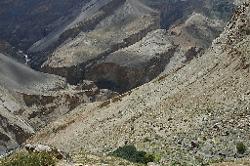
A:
<point x="130" y="153"/>
<point x="32" y="159"/>
<point x="241" y="148"/>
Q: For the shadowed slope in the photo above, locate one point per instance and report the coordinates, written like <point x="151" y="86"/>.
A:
<point x="20" y="77"/>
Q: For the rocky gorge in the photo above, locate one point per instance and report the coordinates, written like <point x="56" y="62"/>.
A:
<point x="151" y="82"/>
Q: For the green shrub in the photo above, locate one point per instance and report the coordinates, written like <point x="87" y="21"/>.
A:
<point x="241" y="148"/>
<point x="33" y="159"/>
<point x="130" y="153"/>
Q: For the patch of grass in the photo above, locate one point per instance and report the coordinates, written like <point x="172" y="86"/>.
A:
<point x="241" y="148"/>
<point x="32" y="159"/>
<point x="130" y="153"/>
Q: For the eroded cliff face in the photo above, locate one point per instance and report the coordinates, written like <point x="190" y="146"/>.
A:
<point x="72" y="39"/>
<point x="132" y="66"/>
<point x="126" y="25"/>
<point x="13" y="130"/>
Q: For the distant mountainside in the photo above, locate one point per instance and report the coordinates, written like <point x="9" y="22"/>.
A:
<point x="82" y="39"/>
<point x="23" y="22"/>
<point x="104" y="31"/>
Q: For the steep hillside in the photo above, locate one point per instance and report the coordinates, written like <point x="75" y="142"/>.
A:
<point x="8" y="50"/>
<point x="13" y="130"/>
<point x="21" y="78"/>
<point x="23" y="22"/>
<point x="75" y="38"/>
<point x="29" y="100"/>
<point x="91" y="45"/>
<point x="15" y="78"/>
<point x="195" y="114"/>
<point x="180" y="69"/>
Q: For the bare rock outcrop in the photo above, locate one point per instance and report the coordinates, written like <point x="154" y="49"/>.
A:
<point x="13" y="129"/>
<point x="134" y="65"/>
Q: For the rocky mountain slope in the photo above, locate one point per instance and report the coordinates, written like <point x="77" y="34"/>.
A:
<point x="13" y="129"/>
<point x="110" y="34"/>
<point x="15" y="79"/>
<point x="74" y="39"/>
<point x="196" y="114"/>
<point x="30" y="99"/>
<point x="141" y="80"/>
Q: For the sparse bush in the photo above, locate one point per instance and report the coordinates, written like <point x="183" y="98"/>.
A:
<point x="157" y="157"/>
<point x="241" y="148"/>
<point x="130" y="153"/>
<point x="32" y="159"/>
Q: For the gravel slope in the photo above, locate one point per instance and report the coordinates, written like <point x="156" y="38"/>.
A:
<point x="193" y="115"/>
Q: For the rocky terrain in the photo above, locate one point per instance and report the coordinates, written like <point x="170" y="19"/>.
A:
<point x="196" y="114"/>
<point x="123" y="33"/>
<point x="126" y="82"/>
<point x="82" y="36"/>
<point x="29" y="100"/>
<point x="15" y="79"/>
